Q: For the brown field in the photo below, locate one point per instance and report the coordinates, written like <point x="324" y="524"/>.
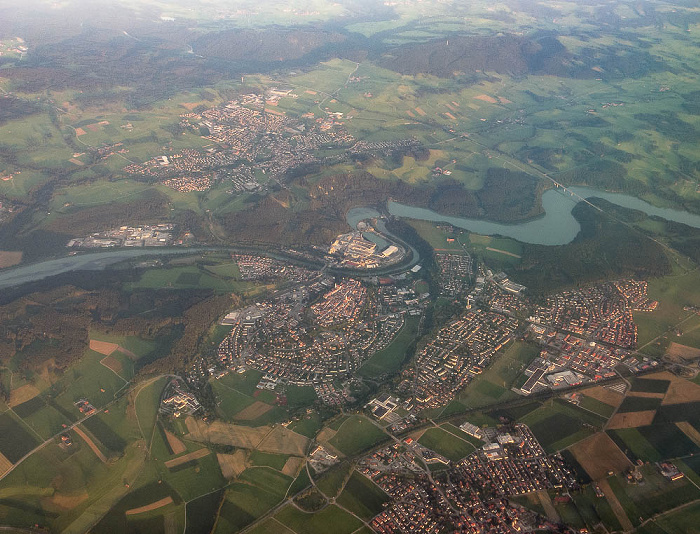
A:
<point x="411" y="114"/>
<point x="9" y="258"/>
<point x="274" y="112"/>
<point x="291" y="468"/>
<point x="450" y="116"/>
<point x="76" y="161"/>
<point x="112" y="363"/>
<point x="283" y="441"/>
<point x="226" y="434"/>
<point x="253" y="411"/>
<point x="504" y="100"/>
<point x="677" y="352"/>
<point x="325" y="435"/>
<point x="93" y="127"/>
<point x="310" y="92"/>
<point x="64" y="502"/>
<point x="680" y="390"/>
<point x="546" y="502"/>
<point x="456" y="104"/>
<point x="689" y="430"/>
<point x="599" y="455"/>
<point x="87" y="439"/>
<point x="189" y="106"/>
<point x="79" y="132"/>
<point x="232" y="465"/>
<point x="177" y="446"/>
<point x="631" y="419"/>
<point x="420" y="112"/>
<point x="615" y="505"/>
<point x="201" y="453"/>
<point x="487" y="98"/>
<point x="22" y="394"/>
<point x="605" y="395"/>
<point x="149" y="507"/>
<point x="503" y="252"/>
<point x="5" y="464"/>
<point x="646" y="395"/>
<point x="103" y="347"/>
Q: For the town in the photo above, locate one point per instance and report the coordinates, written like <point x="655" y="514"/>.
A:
<point x="252" y="143"/>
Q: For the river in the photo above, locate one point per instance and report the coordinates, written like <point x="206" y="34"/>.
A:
<point x="557" y="227"/>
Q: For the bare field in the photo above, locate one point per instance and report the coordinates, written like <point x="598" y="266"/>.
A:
<point x="689" y="430"/>
<point x="5" y="464"/>
<point x="226" y="434"/>
<point x="253" y="411"/>
<point x="325" y="435"/>
<point x="283" y="441"/>
<point x="646" y="394"/>
<point x="64" y="502"/>
<point x="677" y="352"/>
<point x="149" y="507"/>
<point x="111" y="363"/>
<point x="106" y="348"/>
<point x="9" y="258"/>
<point x="605" y="395"/>
<point x="22" y="394"/>
<point x="599" y="455"/>
<point x="177" y="446"/>
<point x="631" y="419"/>
<point x="103" y="347"/>
<point x="681" y="391"/>
<point x="546" y="502"/>
<point x="87" y="439"/>
<point x="615" y="505"/>
<point x="487" y="98"/>
<point x="232" y="465"/>
<point x="291" y="468"/>
<point x="201" y="453"/>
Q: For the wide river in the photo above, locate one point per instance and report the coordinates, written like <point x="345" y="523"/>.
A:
<point x="556" y="227"/>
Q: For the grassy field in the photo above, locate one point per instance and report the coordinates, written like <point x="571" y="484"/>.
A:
<point x="356" y="434"/>
<point x="362" y="497"/>
<point x="392" y="357"/>
<point x="436" y="237"/>
<point x="443" y="442"/>
<point x="330" y="519"/>
<point x="331" y="482"/>
<point x="558" y="424"/>
<point x="495" y="382"/>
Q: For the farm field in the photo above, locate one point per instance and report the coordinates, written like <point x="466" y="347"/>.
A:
<point x="390" y="358"/>
<point x="444" y="442"/>
<point x="357" y="434"/>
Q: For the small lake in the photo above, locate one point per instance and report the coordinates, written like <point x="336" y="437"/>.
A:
<point x="557" y="227"/>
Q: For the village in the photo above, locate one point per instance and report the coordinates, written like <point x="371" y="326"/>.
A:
<point x="472" y="495"/>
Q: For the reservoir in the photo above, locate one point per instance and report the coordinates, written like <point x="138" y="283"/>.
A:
<point x="556" y="227"/>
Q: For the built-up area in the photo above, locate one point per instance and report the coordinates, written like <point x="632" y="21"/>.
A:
<point x="252" y="142"/>
<point x="472" y="495"/>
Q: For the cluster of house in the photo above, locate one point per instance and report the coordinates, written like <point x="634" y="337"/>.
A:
<point x="460" y="351"/>
<point x="473" y="497"/>
<point x="455" y="273"/>
<point x="272" y="335"/>
<point x="253" y="267"/>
